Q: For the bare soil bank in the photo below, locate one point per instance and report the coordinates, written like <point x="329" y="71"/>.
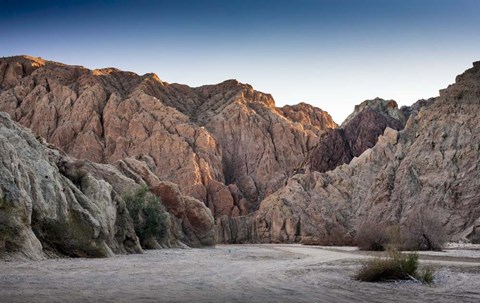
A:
<point x="246" y="273"/>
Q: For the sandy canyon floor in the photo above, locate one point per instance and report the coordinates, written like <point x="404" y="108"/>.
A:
<point x="234" y="273"/>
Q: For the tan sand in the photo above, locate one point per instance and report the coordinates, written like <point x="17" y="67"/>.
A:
<point x="229" y="273"/>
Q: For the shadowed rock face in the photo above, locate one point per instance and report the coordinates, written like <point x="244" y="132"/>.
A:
<point x="432" y="165"/>
<point x="359" y="132"/>
<point x="225" y="145"/>
<point x="43" y="210"/>
<point x="54" y="205"/>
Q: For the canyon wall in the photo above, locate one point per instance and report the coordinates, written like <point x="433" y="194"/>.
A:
<point x="432" y="166"/>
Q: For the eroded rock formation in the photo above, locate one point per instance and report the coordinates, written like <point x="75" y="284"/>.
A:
<point x="225" y="145"/>
<point x="359" y="132"/>
<point x="43" y="211"/>
<point x="54" y="205"/>
<point x="224" y="151"/>
<point x="433" y="166"/>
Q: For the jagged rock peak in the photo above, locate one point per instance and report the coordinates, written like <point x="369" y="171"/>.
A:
<point x="359" y="132"/>
<point x="307" y="114"/>
<point x="226" y="145"/>
<point x="385" y="107"/>
<point x="430" y="168"/>
<point x="25" y="58"/>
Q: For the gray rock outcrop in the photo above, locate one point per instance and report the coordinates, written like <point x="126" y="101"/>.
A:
<point x="43" y="211"/>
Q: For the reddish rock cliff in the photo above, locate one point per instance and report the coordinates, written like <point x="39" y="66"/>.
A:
<point x="226" y="145"/>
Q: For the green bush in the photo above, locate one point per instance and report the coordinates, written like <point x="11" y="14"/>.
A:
<point x="427" y="275"/>
<point x="396" y="266"/>
<point x="148" y="214"/>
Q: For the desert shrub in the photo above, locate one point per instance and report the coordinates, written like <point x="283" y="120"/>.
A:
<point x="396" y="266"/>
<point x="148" y="214"/>
<point x="427" y="275"/>
<point x="372" y="236"/>
<point x="424" y="232"/>
<point x="336" y="237"/>
<point x="421" y="232"/>
<point x="396" y="237"/>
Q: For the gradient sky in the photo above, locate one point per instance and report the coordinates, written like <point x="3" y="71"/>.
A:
<point x="332" y="54"/>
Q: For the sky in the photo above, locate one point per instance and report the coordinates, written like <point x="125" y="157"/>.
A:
<point x="330" y="53"/>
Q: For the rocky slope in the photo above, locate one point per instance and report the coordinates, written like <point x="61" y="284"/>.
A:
<point x="43" y="210"/>
<point x="51" y="204"/>
<point x="359" y="132"/>
<point x="226" y="145"/>
<point x="432" y="166"/>
<point x="225" y="151"/>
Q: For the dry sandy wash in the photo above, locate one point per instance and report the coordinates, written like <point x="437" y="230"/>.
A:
<point x="248" y="273"/>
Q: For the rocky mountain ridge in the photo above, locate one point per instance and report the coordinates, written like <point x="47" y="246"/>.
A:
<point x="226" y="144"/>
<point x="431" y="166"/>
<point x="266" y="174"/>
<point x="359" y="132"/>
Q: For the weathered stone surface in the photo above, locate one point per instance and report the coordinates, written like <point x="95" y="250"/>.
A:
<point x="192" y="221"/>
<point x="44" y="211"/>
<point x="359" y="132"/>
<point x="310" y="117"/>
<point x="203" y="139"/>
<point x="78" y="170"/>
<point x="387" y="108"/>
<point x="414" y="109"/>
<point x="430" y="166"/>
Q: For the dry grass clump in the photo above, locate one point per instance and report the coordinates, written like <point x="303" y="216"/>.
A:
<point x="396" y="266"/>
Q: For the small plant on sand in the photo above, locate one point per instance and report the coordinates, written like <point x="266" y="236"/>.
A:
<point x="396" y="266"/>
<point x="427" y="275"/>
<point x="148" y="214"/>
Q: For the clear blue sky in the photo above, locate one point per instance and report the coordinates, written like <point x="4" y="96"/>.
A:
<point x="332" y="54"/>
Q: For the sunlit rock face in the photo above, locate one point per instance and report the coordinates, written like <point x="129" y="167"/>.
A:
<point x="226" y="145"/>
<point x="432" y="166"/>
